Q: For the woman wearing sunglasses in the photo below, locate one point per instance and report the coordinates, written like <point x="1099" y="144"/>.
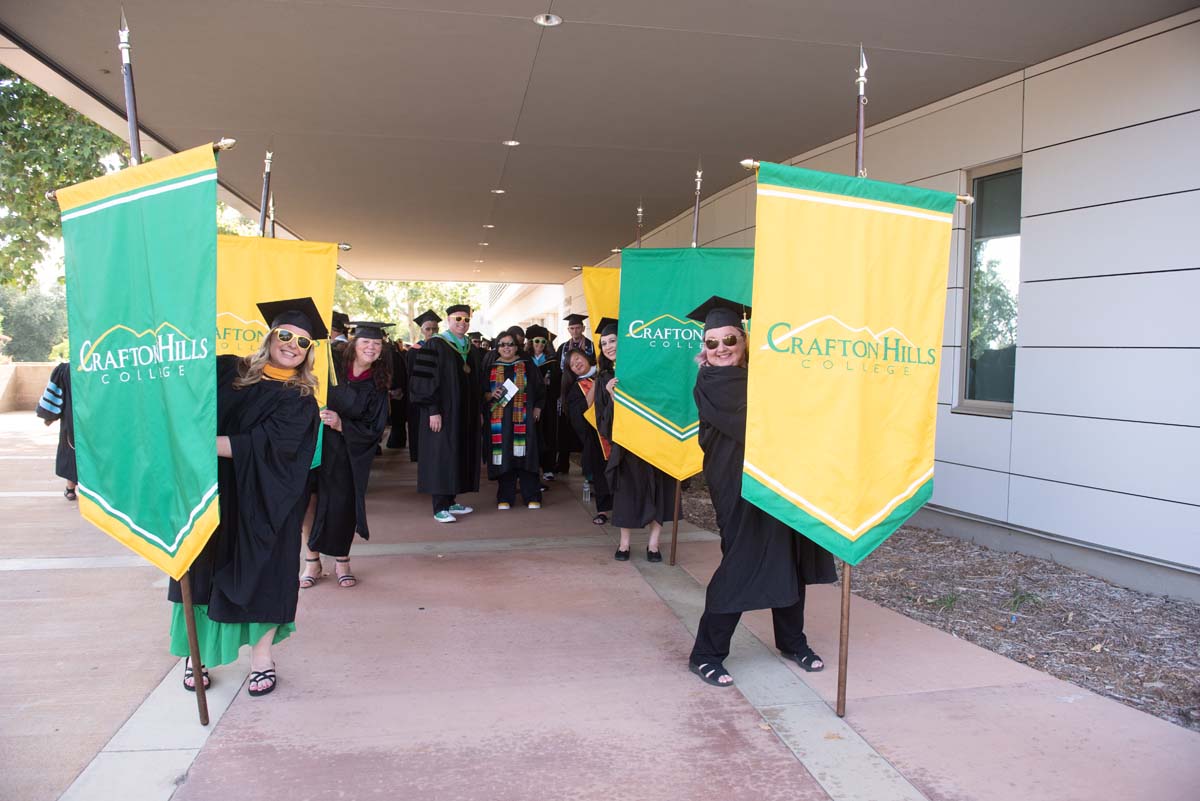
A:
<point x="244" y="581"/>
<point x="356" y="414"/>
<point x="643" y="495"/>
<point x="581" y="394"/>
<point x="540" y="351"/>
<point x="764" y="564"/>
<point x="513" y="399"/>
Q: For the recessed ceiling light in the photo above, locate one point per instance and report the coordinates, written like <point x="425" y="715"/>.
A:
<point x="510" y="143"/>
<point x="488" y="225"/>
<point x="483" y="244"/>
<point x="615" y="250"/>
<point x="479" y="261"/>
<point x="497" y="191"/>
<point x="548" y="20"/>
<point x="576" y="267"/>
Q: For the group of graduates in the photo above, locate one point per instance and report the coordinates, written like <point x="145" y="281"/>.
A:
<point x="519" y="407"/>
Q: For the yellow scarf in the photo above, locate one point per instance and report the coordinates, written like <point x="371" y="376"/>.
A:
<point x="273" y="373"/>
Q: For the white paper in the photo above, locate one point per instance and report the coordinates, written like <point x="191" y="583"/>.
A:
<point x="510" y="390"/>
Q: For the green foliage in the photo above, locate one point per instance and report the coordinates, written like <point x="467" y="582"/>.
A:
<point x="993" y="309"/>
<point x="44" y="144"/>
<point x="399" y="301"/>
<point x="1020" y="598"/>
<point x="945" y="602"/>
<point x="36" y="321"/>
<point x="233" y="222"/>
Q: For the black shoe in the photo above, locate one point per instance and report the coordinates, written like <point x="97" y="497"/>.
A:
<point x="653" y="556"/>
<point x="621" y="556"/>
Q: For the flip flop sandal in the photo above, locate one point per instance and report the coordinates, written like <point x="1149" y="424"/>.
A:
<point x="711" y="673"/>
<point x="600" y="519"/>
<point x="260" y="676"/>
<point x="805" y="659"/>
<point x="308" y="581"/>
<point x="188" y="673"/>
<point x="348" y="577"/>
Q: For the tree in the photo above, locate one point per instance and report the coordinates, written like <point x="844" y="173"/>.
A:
<point x="44" y="144"/>
<point x="400" y="301"/>
<point x="36" y="321"/>
<point x="993" y="310"/>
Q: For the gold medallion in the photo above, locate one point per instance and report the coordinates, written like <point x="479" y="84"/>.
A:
<point x="466" y="368"/>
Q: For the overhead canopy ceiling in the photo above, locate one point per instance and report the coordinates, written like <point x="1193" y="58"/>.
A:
<point x="386" y="116"/>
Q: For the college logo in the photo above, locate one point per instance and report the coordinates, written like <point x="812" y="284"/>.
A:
<point x="121" y="353"/>
<point x="828" y="343"/>
<point x="237" y="335"/>
<point x="668" y="331"/>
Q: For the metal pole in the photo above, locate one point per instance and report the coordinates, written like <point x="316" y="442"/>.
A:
<point x="696" y="208"/>
<point x="189" y="616"/>
<point x="639" y="223"/>
<point x="675" y="522"/>
<point x="131" y="115"/>
<point x="860" y="171"/>
<point x="266" y="195"/>
<point x="271" y="214"/>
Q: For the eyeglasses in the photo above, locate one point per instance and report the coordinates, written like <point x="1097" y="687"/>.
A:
<point x="729" y="340"/>
<point x="458" y="318"/>
<point x="284" y="335"/>
<point x="539" y="341"/>
<point x="507" y="345"/>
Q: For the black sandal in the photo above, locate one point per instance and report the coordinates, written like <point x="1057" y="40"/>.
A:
<point x="600" y="519"/>
<point x="258" y="677"/>
<point x="712" y="673"/>
<point x="69" y="494"/>
<point x="805" y="659"/>
<point x="188" y="673"/>
<point x="348" y="577"/>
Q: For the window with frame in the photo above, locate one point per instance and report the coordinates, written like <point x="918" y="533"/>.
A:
<point x="989" y="341"/>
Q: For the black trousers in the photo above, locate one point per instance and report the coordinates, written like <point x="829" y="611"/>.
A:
<point x="442" y="502"/>
<point x="716" y="630"/>
<point x="603" y="502"/>
<point x="531" y="486"/>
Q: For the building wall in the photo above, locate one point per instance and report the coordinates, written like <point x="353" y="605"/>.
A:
<point x="1103" y="446"/>
<point x="524" y="305"/>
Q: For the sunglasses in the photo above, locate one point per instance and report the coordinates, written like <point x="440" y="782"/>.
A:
<point x="540" y="341"/>
<point x="729" y="340"/>
<point x="458" y="318"/>
<point x="506" y="345"/>
<point x="284" y="335"/>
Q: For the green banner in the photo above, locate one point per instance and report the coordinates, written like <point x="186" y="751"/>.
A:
<point x="141" y="258"/>
<point x="654" y="414"/>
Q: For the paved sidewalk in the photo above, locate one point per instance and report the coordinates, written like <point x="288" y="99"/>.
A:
<point x="509" y="657"/>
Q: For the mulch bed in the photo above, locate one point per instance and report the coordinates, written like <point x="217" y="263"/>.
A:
<point x="1142" y="650"/>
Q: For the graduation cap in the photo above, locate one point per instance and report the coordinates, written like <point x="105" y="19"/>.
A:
<point x="608" y="325"/>
<point x="718" y="312"/>
<point x="341" y="321"/>
<point x="429" y="316"/>
<point x="300" y="312"/>
<point x="368" y="330"/>
<point x="575" y="319"/>
<point x="459" y="308"/>
<point x="537" y="331"/>
<point x="474" y="335"/>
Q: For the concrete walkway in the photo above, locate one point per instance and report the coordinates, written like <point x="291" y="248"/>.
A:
<point x="509" y="657"/>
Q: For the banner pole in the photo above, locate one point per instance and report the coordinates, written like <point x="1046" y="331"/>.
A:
<point x="860" y="171"/>
<point x="266" y="195"/>
<point x="271" y="214"/>
<point x="131" y="115"/>
<point x="675" y="522"/>
<point x="696" y="207"/>
<point x="639" y="223"/>
<point x="189" y="616"/>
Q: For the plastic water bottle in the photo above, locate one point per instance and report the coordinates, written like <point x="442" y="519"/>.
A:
<point x="587" y="492"/>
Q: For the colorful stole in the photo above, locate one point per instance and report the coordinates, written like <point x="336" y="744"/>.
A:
<point x="585" y="386"/>
<point x="518" y="415"/>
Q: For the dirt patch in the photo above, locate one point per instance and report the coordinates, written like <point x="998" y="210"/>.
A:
<point x="1139" y="649"/>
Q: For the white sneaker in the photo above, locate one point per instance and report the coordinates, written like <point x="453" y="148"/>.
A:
<point x="459" y="509"/>
<point x="535" y="504"/>
<point x="445" y="517"/>
<point x="503" y="507"/>
<point x="547" y="476"/>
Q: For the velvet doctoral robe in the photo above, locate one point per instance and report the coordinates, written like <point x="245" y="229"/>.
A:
<point x="55" y="404"/>
<point x="445" y="382"/>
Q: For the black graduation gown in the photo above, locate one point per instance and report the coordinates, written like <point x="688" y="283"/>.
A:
<point x="346" y="458"/>
<point x="56" y="405"/>
<point x="439" y="384"/>
<point x="763" y="561"/>
<point x="247" y="571"/>
<point x="413" y="411"/>
<point x="592" y="459"/>
<point x="568" y="439"/>
<point x="534" y="398"/>
<point x="642" y="494"/>
<point x="549" y="422"/>
<point x="398" y="407"/>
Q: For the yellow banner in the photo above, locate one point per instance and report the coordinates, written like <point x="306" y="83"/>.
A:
<point x="252" y="270"/>
<point x="845" y="353"/>
<point x="602" y="292"/>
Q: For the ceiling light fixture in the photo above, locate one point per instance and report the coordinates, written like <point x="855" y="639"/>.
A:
<point x="497" y="191"/>
<point x="548" y="20"/>
<point x="488" y="225"/>
<point x="479" y="261"/>
<point x="510" y="143"/>
<point x="615" y="250"/>
<point x="483" y="244"/>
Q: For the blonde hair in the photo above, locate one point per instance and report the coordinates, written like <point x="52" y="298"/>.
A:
<point x="250" y="369"/>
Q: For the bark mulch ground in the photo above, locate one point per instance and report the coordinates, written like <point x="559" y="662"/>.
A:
<point x="1139" y="649"/>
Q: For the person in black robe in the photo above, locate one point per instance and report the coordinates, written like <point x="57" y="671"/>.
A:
<point x="539" y="349"/>
<point x="356" y="414"/>
<point x="764" y="563"/>
<point x="580" y="396"/>
<point x="512" y="451"/>
<point x="568" y="443"/>
<point x="55" y="404"/>
<point x="243" y="582"/>
<point x="428" y="322"/>
<point x="643" y="495"/>
<point x="398" y="397"/>
<point x="445" y="388"/>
